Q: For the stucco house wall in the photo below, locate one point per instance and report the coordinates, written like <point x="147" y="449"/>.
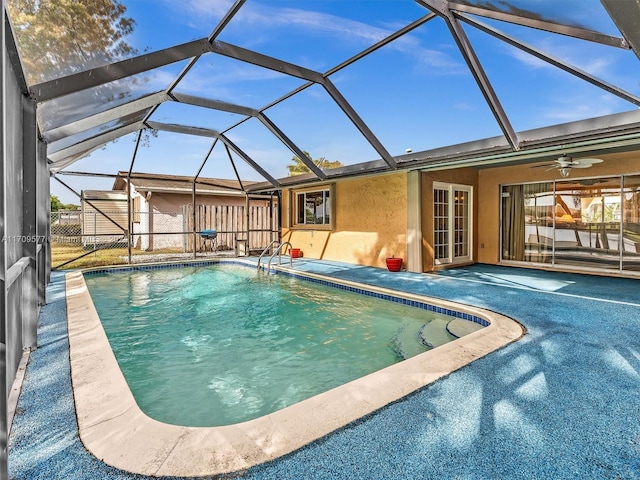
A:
<point x="369" y="222"/>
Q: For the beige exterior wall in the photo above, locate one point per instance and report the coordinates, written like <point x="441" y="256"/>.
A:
<point x="173" y="202"/>
<point x="370" y="222"/>
<point x="488" y="195"/>
<point x="103" y="219"/>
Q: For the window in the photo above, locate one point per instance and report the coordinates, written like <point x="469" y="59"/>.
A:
<point x="313" y="208"/>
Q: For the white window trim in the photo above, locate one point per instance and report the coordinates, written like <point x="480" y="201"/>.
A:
<point x="451" y="260"/>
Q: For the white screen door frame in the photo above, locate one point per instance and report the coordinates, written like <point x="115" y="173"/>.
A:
<point x="452" y="223"/>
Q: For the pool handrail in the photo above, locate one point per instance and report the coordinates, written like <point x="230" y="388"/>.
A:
<point x="279" y="252"/>
<point x="265" y="251"/>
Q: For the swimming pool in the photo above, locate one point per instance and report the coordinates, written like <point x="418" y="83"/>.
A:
<point x="217" y="345"/>
<point x="114" y="429"/>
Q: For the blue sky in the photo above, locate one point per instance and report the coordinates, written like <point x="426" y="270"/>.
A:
<point x="414" y="93"/>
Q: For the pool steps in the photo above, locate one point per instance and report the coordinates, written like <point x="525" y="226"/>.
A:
<point x="413" y="339"/>
<point x="435" y="333"/>
<point x="406" y="341"/>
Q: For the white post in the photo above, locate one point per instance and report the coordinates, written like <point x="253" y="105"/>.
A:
<point x="414" y="222"/>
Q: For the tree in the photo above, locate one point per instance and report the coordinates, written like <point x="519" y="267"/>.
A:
<point x="298" y="167"/>
<point x="56" y="204"/>
<point x="61" y="37"/>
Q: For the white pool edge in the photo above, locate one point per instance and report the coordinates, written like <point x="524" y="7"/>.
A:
<point x="114" y="429"/>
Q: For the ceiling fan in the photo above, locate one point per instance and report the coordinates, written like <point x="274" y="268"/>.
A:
<point x="565" y="163"/>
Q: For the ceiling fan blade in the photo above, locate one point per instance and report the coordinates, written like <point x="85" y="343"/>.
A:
<point x="586" y="162"/>
<point x="545" y="165"/>
<point x="582" y="165"/>
<point x="589" y="182"/>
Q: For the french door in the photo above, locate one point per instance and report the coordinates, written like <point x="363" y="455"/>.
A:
<point x="452" y="223"/>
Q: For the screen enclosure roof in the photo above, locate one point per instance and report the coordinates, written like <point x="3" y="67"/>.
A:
<point x="237" y="90"/>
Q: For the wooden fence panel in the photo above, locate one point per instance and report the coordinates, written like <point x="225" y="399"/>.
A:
<point x="230" y="223"/>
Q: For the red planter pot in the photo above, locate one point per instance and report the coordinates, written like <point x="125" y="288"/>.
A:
<point x="296" y="253"/>
<point x="394" y="264"/>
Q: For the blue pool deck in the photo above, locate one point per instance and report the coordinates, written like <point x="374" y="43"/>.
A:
<point x="563" y="402"/>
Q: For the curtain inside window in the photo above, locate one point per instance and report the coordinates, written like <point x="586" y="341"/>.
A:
<point x="516" y="219"/>
<point x="513" y="222"/>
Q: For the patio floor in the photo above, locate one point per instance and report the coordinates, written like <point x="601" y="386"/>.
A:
<point x="562" y="402"/>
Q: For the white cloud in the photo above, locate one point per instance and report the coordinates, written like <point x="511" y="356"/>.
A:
<point x="581" y="58"/>
<point x="569" y="110"/>
<point x="260" y="17"/>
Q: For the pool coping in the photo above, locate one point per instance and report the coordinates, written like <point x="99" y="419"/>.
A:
<point x="114" y="429"/>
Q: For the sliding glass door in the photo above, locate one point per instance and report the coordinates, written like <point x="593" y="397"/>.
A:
<point x="588" y="223"/>
<point x="631" y="223"/>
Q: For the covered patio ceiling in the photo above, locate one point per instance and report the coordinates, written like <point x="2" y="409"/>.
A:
<point x="417" y="84"/>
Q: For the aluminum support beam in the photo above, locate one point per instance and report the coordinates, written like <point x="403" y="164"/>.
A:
<point x="359" y="123"/>
<point x="88" y="202"/>
<point x="64" y="163"/>
<point x="204" y="162"/>
<point x="235" y="8"/>
<point x="118" y="70"/>
<point x="172" y="127"/>
<point x="14" y="54"/>
<point x="356" y="57"/>
<point x="204" y="132"/>
<point x="293" y="147"/>
<point x="216" y="31"/>
<point x="385" y="41"/>
<point x="545" y="25"/>
<point x="626" y="16"/>
<point x="476" y="70"/>
<point x="140" y="105"/>
<point x="43" y="204"/>
<point x="552" y="60"/>
<point x="265" y="61"/>
<point x="233" y="165"/>
<point x="110" y="115"/>
<point x="250" y="112"/>
<point x="194" y="199"/>
<point x="4" y="353"/>
<point x="129" y="212"/>
<point x="249" y="160"/>
<point x="214" y="104"/>
<point x="30" y="220"/>
<point x="94" y="142"/>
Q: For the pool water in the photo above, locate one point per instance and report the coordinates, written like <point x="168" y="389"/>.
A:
<point x="218" y="345"/>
